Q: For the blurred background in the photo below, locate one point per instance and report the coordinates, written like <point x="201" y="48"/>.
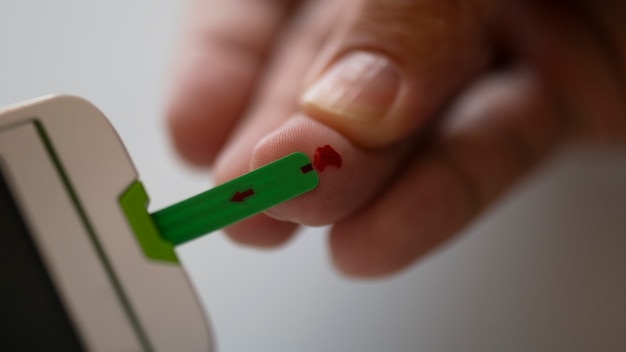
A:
<point x="544" y="270"/>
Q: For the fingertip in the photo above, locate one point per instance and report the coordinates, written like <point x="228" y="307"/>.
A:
<point x="261" y="231"/>
<point x="302" y="134"/>
<point x="205" y="105"/>
<point x="348" y="175"/>
<point x="356" y="257"/>
<point x="190" y="139"/>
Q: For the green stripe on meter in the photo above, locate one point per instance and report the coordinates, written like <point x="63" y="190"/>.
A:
<point x="237" y="199"/>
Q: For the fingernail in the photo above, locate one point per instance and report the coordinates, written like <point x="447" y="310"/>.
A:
<point x="361" y="86"/>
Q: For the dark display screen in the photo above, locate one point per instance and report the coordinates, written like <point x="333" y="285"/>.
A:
<point x="32" y="317"/>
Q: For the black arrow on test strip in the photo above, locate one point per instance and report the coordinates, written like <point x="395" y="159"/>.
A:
<point x="241" y="196"/>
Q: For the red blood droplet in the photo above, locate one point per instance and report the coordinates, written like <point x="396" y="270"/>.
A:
<point x="326" y="156"/>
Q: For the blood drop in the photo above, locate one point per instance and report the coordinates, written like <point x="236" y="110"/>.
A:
<point x="326" y="156"/>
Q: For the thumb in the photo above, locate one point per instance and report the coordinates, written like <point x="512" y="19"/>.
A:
<point x="391" y="64"/>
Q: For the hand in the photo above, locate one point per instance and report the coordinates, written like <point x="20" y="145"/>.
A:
<point x="436" y="107"/>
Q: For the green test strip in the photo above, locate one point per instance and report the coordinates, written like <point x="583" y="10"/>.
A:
<point x="238" y="199"/>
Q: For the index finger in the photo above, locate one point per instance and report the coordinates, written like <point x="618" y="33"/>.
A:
<point x="223" y="52"/>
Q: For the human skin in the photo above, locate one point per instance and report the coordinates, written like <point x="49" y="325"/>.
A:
<point x="436" y="107"/>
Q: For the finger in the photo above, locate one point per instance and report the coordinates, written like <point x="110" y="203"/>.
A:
<point x="275" y="102"/>
<point x="224" y="50"/>
<point x="497" y="134"/>
<point x="393" y="64"/>
<point x="261" y="231"/>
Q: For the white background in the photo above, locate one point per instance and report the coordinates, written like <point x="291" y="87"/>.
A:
<point x="545" y="270"/>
